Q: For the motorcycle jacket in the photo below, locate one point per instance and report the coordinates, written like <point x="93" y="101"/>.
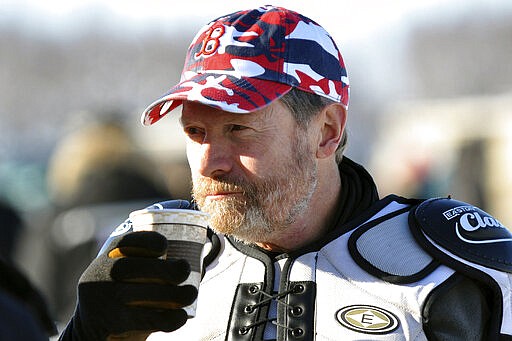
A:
<point x="398" y="269"/>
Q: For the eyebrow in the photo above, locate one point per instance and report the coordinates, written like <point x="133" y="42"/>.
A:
<point x="238" y="118"/>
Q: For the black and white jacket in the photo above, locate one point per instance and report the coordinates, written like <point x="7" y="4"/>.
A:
<point x="402" y="270"/>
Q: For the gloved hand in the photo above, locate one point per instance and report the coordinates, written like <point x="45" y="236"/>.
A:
<point x="128" y="290"/>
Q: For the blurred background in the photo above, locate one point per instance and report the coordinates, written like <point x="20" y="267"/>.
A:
<point x="430" y="111"/>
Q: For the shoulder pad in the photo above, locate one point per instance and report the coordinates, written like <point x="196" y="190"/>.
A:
<point x="381" y="245"/>
<point x="466" y="231"/>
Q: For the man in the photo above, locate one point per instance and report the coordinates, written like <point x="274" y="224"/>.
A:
<point x="303" y="248"/>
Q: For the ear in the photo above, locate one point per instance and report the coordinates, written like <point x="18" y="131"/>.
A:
<point x="332" y="124"/>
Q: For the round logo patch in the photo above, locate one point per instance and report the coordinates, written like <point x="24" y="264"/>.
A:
<point x="367" y="319"/>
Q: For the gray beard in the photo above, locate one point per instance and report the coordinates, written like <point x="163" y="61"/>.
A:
<point x="270" y="206"/>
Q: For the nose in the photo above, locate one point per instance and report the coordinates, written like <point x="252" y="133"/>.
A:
<point x="215" y="158"/>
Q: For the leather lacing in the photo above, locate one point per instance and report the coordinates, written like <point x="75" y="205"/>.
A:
<point x="279" y="298"/>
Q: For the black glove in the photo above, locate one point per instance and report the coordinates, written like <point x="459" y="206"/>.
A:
<point x="127" y="289"/>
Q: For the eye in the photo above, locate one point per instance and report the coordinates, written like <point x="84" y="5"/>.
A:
<point x="237" y="127"/>
<point x="193" y="133"/>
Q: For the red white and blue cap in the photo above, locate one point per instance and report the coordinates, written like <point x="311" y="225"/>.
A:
<point x="243" y="61"/>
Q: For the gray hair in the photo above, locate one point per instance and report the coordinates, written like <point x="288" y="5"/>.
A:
<point x="304" y="106"/>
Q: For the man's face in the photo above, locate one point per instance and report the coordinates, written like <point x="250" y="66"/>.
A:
<point x="253" y="173"/>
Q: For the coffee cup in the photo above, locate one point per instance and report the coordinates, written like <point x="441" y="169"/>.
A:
<point x="185" y="231"/>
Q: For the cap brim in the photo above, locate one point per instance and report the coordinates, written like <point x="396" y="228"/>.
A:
<point x="225" y="92"/>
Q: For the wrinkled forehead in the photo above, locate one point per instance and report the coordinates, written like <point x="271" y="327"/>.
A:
<point x="192" y="110"/>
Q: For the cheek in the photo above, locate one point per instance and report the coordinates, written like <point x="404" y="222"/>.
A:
<point x="260" y="165"/>
<point x="250" y="165"/>
<point x="194" y="158"/>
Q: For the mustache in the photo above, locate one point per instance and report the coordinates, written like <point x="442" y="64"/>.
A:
<point x="205" y="186"/>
